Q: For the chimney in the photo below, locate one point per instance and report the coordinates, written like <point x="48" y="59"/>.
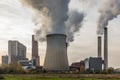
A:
<point x="99" y="46"/>
<point x="35" y="56"/>
<point x="105" y="48"/>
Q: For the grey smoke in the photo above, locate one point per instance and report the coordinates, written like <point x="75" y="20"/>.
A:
<point x="74" y="24"/>
<point x="109" y="10"/>
<point x="88" y="3"/>
<point x="51" y="17"/>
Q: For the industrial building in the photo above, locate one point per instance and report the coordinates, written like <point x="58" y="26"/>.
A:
<point x="5" y="59"/>
<point x="80" y="66"/>
<point x="16" y="51"/>
<point x="56" y="54"/>
<point x="35" y="56"/>
<point x="26" y="64"/>
<point x="93" y="64"/>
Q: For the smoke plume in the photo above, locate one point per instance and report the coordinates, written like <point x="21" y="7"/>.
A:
<point x="88" y="3"/>
<point x="51" y="17"/>
<point x="73" y="24"/>
<point x="109" y="11"/>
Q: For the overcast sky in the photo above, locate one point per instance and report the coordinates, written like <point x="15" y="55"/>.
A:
<point x="16" y="24"/>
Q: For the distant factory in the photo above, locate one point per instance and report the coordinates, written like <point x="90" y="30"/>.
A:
<point x="93" y="64"/>
<point x="56" y="58"/>
<point x="16" y="51"/>
<point x="17" y="54"/>
<point x="5" y="59"/>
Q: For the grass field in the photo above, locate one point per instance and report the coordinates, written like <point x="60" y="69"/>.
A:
<point x="21" y="78"/>
<point x="51" y="77"/>
<point x="26" y="78"/>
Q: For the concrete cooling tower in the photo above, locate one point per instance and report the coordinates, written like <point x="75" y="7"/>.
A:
<point x="56" y="53"/>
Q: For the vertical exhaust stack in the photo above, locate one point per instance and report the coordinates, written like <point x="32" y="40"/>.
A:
<point x="99" y="46"/>
<point x="105" y="48"/>
<point x="35" y="56"/>
<point x="56" y="53"/>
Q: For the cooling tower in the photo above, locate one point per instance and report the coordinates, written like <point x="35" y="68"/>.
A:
<point x="56" y="53"/>
<point x="105" y="49"/>
<point x="99" y="46"/>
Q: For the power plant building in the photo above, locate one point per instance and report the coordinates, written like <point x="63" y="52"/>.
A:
<point x="25" y="64"/>
<point x="16" y="51"/>
<point x="78" y="66"/>
<point x="56" y="54"/>
<point x="35" y="56"/>
<point x="5" y="59"/>
<point x="93" y="64"/>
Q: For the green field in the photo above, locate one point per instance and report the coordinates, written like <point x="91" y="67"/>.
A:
<point x="26" y="78"/>
<point x="59" y="77"/>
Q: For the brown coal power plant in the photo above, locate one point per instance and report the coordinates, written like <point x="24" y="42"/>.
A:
<point x="56" y="25"/>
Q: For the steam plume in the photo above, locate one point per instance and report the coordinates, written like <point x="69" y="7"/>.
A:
<point x="88" y="3"/>
<point x="51" y="17"/>
<point x="73" y="24"/>
<point x="109" y="11"/>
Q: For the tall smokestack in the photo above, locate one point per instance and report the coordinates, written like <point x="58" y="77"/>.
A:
<point x="105" y="49"/>
<point x="99" y="46"/>
<point x="56" y="54"/>
<point x="35" y="56"/>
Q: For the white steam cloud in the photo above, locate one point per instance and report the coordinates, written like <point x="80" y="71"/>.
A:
<point x="88" y="3"/>
<point x="51" y="17"/>
<point x="109" y="11"/>
<point x="73" y="24"/>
